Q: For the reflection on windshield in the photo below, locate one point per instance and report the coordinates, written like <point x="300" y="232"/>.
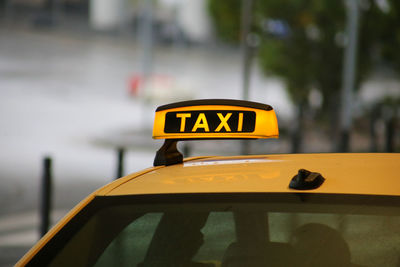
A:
<point x="236" y="234"/>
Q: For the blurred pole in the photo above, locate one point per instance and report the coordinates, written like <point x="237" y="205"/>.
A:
<point x="389" y="116"/>
<point x="298" y="128"/>
<point x="146" y="38"/>
<point x="45" y="205"/>
<point x="145" y="35"/>
<point x="390" y="134"/>
<point x="246" y="19"/>
<point x="120" y="162"/>
<point x="373" y="145"/>
<point x="349" y="72"/>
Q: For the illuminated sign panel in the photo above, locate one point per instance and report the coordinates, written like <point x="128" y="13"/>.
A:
<point x="210" y="121"/>
<point x="215" y="119"/>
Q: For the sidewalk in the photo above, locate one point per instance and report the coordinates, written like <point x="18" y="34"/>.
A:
<point x="18" y="233"/>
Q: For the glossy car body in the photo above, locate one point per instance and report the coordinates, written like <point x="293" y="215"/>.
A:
<point x="244" y="186"/>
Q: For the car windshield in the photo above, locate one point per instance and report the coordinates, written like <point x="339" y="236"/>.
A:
<point x="230" y="230"/>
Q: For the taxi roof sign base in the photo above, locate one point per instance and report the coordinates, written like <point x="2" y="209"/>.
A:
<point x="168" y="154"/>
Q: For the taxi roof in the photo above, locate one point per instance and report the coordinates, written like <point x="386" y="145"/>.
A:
<point x="376" y="174"/>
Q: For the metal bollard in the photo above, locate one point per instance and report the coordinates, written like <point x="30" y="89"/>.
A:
<point x="46" y="193"/>
<point x="390" y="126"/>
<point x="120" y="162"/>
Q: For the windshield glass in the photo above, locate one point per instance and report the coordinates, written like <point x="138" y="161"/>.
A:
<point x="234" y="230"/>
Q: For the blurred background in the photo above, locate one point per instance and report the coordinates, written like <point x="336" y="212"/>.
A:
<point x="80" y="81"/>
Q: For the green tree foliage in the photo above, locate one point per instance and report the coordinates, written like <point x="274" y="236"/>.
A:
<point x="290" y="54"/>
<point x="288" y="51"/>
<point x="226" y="18"/>
<point x="306" y="51"/>
<point x="322" y="24"/>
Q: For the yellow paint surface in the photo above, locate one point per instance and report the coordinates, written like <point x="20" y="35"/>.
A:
<point x="344" y="173"/>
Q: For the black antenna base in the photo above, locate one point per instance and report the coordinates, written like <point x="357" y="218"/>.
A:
<point x="168" y="154"/>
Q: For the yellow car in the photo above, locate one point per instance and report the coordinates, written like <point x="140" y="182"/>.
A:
<point x="266" y="210"/>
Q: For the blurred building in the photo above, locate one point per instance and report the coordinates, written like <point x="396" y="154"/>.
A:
<point x="171" y="19"/>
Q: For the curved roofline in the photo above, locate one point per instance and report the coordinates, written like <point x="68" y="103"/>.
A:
<point x="344" y="174"/>
<point x="203" y="102"/>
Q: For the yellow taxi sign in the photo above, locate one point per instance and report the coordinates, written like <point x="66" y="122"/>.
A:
<point x="215" y="119"/>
